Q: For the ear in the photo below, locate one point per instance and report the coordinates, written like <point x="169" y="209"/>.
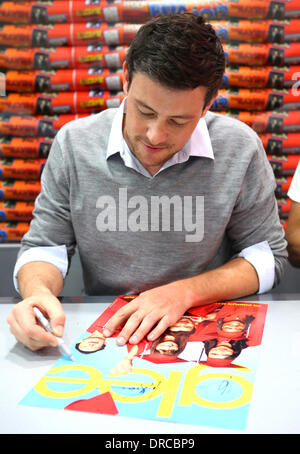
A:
<point x="208" y="106"/>
<point x="125" y="78"/>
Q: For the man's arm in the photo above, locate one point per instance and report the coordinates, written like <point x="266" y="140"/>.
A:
<point x="163" y="306"/>
<point x="44" y="257"/>
<point x="293" y="234"/>
<point x="39" y="283"/>
<point x="37" y="277"/>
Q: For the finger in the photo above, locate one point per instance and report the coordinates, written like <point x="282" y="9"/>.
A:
<point x="57" y="319"/>
<point x="35" y="339"/>
<point x="130" y="327"/>
<point x="144" y="327"/>
<point x="119" y="318"/>
<point x="159" y="329"/>
<point x="26" y="329"/>
<point x="22" y="318"/>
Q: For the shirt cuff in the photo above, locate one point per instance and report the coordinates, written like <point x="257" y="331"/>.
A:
<point x="56" y="255"/>
<point x="294" y="189"/>
<point x="260" y="256"/>
<point x="294" y="194"/>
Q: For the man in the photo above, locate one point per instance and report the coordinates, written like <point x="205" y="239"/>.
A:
<point x="293" y="225"/>
<point x="108" y="175"/>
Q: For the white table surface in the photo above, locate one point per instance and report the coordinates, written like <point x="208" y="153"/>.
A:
<point x="274" y="407"/>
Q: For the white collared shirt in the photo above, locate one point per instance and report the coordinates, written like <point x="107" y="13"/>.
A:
<point x="259" y="255"/>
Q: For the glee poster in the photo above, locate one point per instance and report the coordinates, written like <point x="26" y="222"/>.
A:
<point x="200" y="371"/>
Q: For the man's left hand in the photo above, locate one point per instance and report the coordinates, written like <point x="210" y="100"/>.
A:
<point x="149" y="314"/>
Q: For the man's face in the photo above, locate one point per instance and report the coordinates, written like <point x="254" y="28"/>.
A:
<point x="159" y="120"/>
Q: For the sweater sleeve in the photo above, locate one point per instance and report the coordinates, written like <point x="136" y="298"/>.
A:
<point x="51" y="227"/>
<point x="255" y="217"/>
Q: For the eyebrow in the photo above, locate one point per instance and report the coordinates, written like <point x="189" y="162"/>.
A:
<point x="184" y="117"/>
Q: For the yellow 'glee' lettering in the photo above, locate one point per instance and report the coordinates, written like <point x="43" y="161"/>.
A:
<point x="158" y="385"/>
<point x="90" y="383"/>
<point x="192" y="379"/>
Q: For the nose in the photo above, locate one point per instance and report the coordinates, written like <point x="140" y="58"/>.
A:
<point x="157" y="134"/>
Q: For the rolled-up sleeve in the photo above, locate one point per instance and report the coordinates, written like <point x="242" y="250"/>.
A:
<point x="262" y="259"/>
<point x="294" y="189"/>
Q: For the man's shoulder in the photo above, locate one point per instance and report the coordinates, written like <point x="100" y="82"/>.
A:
<point x="224" y="127"/>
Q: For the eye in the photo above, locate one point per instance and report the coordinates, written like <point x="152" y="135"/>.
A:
<point x="145" y="114"/>
<point x="176" y="123"/>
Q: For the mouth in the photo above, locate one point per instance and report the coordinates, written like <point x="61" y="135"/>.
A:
<point x="152" y="149"/>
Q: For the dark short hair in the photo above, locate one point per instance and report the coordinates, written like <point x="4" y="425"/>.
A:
<point x="179" y="51"/>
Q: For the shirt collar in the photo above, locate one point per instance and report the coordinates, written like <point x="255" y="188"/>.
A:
<point x="199" y="143"/>
<point x="115" y="141"/>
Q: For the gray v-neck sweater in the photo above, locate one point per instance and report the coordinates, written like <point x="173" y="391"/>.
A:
<point x="134" y="233"/>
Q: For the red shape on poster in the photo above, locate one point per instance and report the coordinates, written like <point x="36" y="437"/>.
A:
<point x="103" y="403"/>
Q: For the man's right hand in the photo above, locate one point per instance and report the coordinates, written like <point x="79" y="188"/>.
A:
<point x="25" y="327"/>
